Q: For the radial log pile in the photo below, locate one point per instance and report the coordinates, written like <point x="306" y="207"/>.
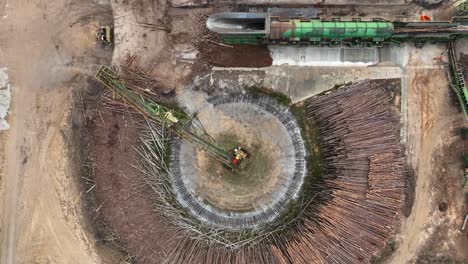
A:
<point x="288" y="188"/>
<point x="363" y="169"/>
<point x="362" y="184"/>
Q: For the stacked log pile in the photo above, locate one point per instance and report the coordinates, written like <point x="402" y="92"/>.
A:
<point x="363" y="171"/>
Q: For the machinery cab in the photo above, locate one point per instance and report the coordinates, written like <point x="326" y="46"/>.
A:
<point x="104" y="35"/>
<point x="239" y="158"/>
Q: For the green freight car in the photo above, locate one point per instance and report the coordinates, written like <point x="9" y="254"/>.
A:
<point x="261" y="28"/>
<point x="317" y="31"/>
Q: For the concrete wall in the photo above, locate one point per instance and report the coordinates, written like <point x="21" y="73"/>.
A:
<point x="316" y="56"/>
<point x="297" y="82"/>
<point x="193" y="3"/>
<point x="311" y="2"/>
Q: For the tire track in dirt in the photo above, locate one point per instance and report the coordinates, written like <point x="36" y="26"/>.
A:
<point x="41" y="217"/>
<point x="431" y="120"/>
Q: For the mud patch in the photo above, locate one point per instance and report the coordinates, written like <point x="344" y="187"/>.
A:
<point x="122" y="199"/>
<point x="446" y="244"/>
<point x="235" y="55"/>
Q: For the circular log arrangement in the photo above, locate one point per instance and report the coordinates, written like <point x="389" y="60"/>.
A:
<point x="360" y="194"/>
<point x="272" y="178"/>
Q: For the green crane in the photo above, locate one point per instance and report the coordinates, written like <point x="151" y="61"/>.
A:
<point x="179" y="123"/>
<point x="463" y="9"/>
<point x="457" y="80"/>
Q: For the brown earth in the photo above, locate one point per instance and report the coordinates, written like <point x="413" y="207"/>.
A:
<point x="45" y="45"/>
<point x="119" y="201"/>
<point x="235" y="55"/>
<point x="434" y="154"/>
<point x="447" y="245"/>
<point x="266" y="172"/>
<point x="189" y="30"/>
<point x="122" y="198"/>
<point x="230" y="191"/>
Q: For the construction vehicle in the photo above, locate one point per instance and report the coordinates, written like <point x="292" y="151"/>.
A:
<point x="182" y="125"/>
<point x="104" y="35"/>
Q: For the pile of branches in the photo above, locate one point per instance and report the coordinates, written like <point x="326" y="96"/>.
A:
<point x="201" y="34"/>
<point x="140" y="80"/>
<point x="363" y="170"/>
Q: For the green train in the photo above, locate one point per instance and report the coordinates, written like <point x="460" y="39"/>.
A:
<point x="262" y="28"/>
<point x="317" y="30"/>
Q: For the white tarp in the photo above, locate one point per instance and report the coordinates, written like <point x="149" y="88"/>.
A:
<point x="5" y="97"/>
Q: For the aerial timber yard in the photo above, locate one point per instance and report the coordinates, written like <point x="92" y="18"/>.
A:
<point x="222" y="131"/>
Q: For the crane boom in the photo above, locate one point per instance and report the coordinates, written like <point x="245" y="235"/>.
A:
<point x="179" y="123"/>
<point x="457" y="80"/>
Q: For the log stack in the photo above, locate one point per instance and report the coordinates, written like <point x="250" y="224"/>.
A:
<point x="363" y="175"/>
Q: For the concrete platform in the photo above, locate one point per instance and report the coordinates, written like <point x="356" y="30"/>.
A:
<point x="297" y="82"/>
<point x="320" y="56"/>
<point x="312" y="2"/>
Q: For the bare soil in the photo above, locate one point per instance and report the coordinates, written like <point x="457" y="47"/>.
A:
<point x="268" y="170"/>
<point x="119" y="201"/>
<point x="122" y="198"/>
<point x="188" y="31"/>
<point x="447" y="241"/>
<point x="433" y="153"/>
<point x="235" y="55"/>
<point x="231" y="191"/>
<point x="45" y="45"/>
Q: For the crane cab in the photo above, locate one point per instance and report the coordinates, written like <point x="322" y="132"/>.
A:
<point x="239" y="158"/>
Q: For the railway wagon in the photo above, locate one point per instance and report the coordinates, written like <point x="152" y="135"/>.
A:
<point x="316" y="31"/>
<point x="261" y="28"/>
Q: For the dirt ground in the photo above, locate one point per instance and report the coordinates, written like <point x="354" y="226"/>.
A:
<point x="235" y="56"/>
<point x="122" y="198"/>
<point x="41" y="216"/>
<point x="267" y="173"/>
<point x="207" y="48"/>
<point x="434" y="150"/>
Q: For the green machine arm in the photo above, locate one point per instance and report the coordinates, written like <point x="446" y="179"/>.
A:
<point x="177" y="122"/>
<point x="457" y="80"/>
